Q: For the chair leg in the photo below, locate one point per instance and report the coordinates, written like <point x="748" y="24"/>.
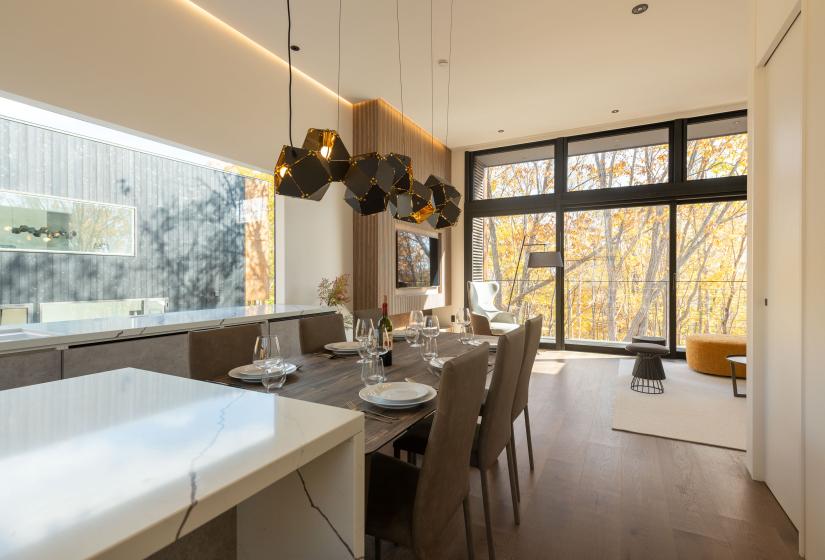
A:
<point x="529" y="438"/>
<point x="513" y="491"/>
<point x="411" y="457"/>
<point x="468" y="528"/>
<point x="396" y="452"/>
<point x="377" y="548"/>
<point x="515" y="463"/>
<point x="488" y="522"/>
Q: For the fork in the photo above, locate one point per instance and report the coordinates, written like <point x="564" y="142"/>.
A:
<point x="374" y="415"/>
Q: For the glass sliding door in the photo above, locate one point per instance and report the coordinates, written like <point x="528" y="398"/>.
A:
<point x="503" y="243"/>
<point x="615" y="275"/>
<point x="711" y="261"/>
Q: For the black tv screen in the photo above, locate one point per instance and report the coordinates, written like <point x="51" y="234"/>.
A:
<point x="416" y="260"/>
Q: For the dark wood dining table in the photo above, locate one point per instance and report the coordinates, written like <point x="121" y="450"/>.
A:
<point x="336" y="382"/>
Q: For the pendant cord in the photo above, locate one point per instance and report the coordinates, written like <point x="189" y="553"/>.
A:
<point x="432" y="97"/>
<point x="338" y="90"/>
<point x="400" y="78"/>
<point x="449" y="76"/>
<point x="289" y="59"/>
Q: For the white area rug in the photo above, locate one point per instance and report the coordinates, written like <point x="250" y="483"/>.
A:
<point x="694" y="407"/>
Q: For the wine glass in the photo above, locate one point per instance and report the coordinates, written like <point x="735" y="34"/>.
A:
<point x="372" y="371"/>
<point x="429" y="351"/>
<point x="362" y="333"/>
<point x="267" y="352"/>
<point x="411" y="335"/>
<point x="431" y="327"/>
<point x="416" y="323"/>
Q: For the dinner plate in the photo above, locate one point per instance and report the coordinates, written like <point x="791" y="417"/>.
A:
<point x="366" y="395"/>
<point x="350" y="347"/>
<point x="251" y="373"/>
<point x="399" y="393"/>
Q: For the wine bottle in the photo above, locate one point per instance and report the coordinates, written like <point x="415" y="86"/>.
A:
<point x="385" y="324"/>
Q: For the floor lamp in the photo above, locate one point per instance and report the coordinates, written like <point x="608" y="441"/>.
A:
<point x="535" y="259"/>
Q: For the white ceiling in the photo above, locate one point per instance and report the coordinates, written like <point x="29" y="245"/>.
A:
<point x="525" y="66"/>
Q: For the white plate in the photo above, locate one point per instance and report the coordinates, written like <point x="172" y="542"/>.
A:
<point x="399" y="335"/>
<point x="252" y="374"/>
<point x="439" y="362"/>
<point x="367" y="396"/>
<point x="343" y="347"/>
<point x="399" y="393"/>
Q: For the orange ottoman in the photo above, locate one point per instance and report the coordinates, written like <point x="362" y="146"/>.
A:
<point x="706" y="353"/>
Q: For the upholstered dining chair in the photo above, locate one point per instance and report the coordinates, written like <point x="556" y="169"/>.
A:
<point x="374" y="314"/>
<point x="532" y="339"/>
<point x="214" y="352"/>
<point x="316" y="332"/>
<point x="494" y="431"/>
<point x="411" y="506"/>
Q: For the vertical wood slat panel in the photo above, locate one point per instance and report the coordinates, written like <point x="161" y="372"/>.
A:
<point x="378" y="127"/>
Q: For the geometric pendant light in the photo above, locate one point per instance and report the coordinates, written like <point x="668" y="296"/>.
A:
<point x="301" y="173"/>
<point x="445" y="201"/>
<point x="369" y="183"/>
<point x="412" y="205"/>
<point x="329" y="146"/>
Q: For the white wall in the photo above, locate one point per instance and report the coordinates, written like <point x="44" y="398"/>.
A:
<point x="168" y="70"/>
<point x="787" y="194"/>
<point x="813" y="323"/>
<point x="781" y="263"/>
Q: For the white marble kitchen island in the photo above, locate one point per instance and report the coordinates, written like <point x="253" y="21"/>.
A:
<point x="121" y="464"/>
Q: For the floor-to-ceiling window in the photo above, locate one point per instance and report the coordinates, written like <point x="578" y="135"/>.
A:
<point x="651" y="222"/>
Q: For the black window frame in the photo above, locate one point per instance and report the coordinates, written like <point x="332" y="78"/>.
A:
<point x="677" y="190"/>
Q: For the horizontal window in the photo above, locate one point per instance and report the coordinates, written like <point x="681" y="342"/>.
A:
<point x="93" y="229"/>
<point x="717" y="148"/>
<point x="520" y="172"/>
<point x="622" y="160"/>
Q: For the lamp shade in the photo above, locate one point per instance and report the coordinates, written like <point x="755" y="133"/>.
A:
<point x="445" y="200"/>
<point x="412" y="204"/>
<point x="369" y="183"/>
<point x="300" y="173"/>
<point x="402" y="171"/>
<point x="329" y="146"/>
<point x="545" y="259"/>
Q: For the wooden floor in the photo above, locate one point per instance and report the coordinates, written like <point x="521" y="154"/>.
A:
<point x="600" y="493"/>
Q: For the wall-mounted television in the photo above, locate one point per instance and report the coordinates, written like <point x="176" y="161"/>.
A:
<point x="416" y="260"/>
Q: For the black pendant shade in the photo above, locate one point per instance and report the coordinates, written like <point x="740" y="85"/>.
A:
<point x="445" y="201"/>
<point x="369" y="183"/>
<point x="402" y="171"/>
<point x="411" y="205"/>
<point x="301" y="173"/>
<point x="329" y="146"/>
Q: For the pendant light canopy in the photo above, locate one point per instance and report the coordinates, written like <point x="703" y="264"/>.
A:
<point x="369" y="183"/>
<point x="329" y="146"/>
<point x="300" y="173"/>
<point x="445" y="201"/>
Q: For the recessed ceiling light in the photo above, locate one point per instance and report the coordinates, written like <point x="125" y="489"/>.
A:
<point x="500" y="130"/>
<point x="614" y="111"/>
<point x="639" y="9"/>
<point x="295" y="48"/>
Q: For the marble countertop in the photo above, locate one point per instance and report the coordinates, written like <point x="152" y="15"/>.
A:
<point x="92" y="464"/>
<point x="50" y="335"/>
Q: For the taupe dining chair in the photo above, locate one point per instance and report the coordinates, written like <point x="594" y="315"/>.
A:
<point x="411" y="506"/>
<point x="496" y="425"/>
<point x="216" y="351"/>
<point x="374" y="314"/>
<point x="532" y="339"/>
<point x="316" y="332"/>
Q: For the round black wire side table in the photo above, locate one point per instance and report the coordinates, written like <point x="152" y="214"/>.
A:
<point x="648" y="371"/>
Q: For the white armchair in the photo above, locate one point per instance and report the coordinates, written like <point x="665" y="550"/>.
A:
<point x="482" y="296"/>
